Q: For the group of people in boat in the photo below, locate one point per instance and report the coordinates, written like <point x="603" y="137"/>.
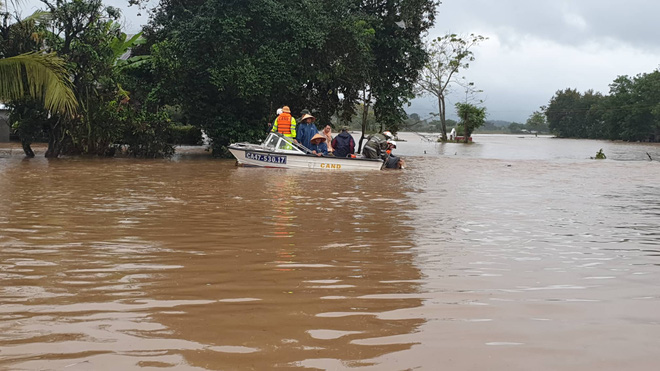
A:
<point x="322" y="143"/>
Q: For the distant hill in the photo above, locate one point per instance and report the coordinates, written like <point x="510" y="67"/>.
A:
<point x="498" y="123"/>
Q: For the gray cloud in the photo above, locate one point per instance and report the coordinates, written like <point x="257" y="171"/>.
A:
<point x="564" y="21"/>
<point x="538" y="47"/>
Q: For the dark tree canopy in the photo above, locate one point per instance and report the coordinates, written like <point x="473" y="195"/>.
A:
<point x="630" y="112"/>
<point x="231" y="64"/>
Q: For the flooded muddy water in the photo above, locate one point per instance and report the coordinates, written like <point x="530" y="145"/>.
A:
<point x="507" y="254"/>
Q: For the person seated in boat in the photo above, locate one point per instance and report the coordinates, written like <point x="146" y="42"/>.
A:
<point x="318" y="145"/>
<point x="376" y="146"/>
<point x="306" y="130"/>
<point x="285" y="124"/>
<point x="343" y="144"/>
<point x="327" y="133"/>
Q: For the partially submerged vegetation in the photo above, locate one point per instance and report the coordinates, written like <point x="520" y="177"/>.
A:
<point x="224" y="69"/>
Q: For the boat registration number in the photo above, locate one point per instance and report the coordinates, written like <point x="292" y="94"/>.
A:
<point x="265" y="158"/>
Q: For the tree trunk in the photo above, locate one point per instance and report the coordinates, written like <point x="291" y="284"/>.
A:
<point x="467" y="132"/>
<point x="27" y="149"/>
<point x="365" y="118"/>
<point x="443" y="121"/>
<point x="54" y="142"/>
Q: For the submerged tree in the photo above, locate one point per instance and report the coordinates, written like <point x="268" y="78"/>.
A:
<point x="447" y="56"/>
<point x="88" y="38"/>
<point x="537" y="122"/>
<point x="471" y="117"/>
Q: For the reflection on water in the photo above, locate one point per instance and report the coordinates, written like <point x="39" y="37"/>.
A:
<point x="492" y="258"/>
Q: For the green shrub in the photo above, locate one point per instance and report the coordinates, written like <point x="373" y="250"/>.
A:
<point x="185" y="135"/>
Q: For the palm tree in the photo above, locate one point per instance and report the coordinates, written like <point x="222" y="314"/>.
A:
<point x="40" y="75"/>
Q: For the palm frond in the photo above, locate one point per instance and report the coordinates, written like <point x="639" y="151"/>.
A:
<point x="42" y="76"/>
<point x="39" y="16"/>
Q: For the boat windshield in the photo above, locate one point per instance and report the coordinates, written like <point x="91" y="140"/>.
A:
<point x="277" y="142"/>
<point x="271" y="141"/>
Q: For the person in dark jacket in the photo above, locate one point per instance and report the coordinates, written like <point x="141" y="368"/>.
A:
<point x="306" y="130"/>
<point x="343" y="144"/>
<point x="377" y="145"/>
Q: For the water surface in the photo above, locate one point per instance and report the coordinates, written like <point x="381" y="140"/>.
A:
<point x="507" y="254"/>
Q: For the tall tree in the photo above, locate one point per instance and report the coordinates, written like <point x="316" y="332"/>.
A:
<point x="571" y="114"/>
<point x="637" y="101"/>
<point x="448" y="55"/>
<point x="86" y="34"/>
<point x="231" y="64"/>
<point x="398" y="52"/>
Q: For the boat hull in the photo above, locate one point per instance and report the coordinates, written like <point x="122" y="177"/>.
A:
<point x="260" y="158"/>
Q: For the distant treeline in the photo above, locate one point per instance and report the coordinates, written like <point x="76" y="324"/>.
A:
<point x="536" y="123"/>
<point x="630" y="112"/>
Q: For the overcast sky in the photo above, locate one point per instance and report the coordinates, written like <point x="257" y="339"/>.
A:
<point x="538" y="47"/>
<point x="535" y="47"/>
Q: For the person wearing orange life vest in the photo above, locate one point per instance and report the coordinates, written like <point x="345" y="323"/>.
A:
<point x="285" y="124"/>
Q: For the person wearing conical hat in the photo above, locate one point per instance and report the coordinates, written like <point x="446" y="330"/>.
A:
<point x="285" y="124"/>
<point x="306" y="130"/>
<point x="318" y="146"/>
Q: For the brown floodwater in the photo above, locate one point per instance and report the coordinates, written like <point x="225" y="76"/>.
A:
<point x="513" y="253"/>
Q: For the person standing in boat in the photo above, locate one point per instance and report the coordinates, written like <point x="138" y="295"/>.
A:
<point x="306" y="130"/>
<point x="270" y="125"/>
<point x="377" y="145"/>
<point x="343" y="144"/>
<point x="303" y="113"/>
<point x="285" y="124"/>
<point x="318" y="145"/>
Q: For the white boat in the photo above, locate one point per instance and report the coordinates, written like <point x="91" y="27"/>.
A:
<point x="277" y="151"/>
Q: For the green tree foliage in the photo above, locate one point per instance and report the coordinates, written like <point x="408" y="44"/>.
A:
<point x="87" y="36"/>
<point x="515" y="128"/>
<point x="25" y="73"/>
<point x="630" y="112"/>
<point x="447" y="56"/>
<point x="229" y="65"/>
<point x="634" y="104"/>
<point x="537" y="122"/>
<point x="471" y="117"/>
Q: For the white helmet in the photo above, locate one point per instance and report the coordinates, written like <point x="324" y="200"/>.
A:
<point x="392" y="143"/>
<point x="279" y="111"/>
<point x="388" y="134"/>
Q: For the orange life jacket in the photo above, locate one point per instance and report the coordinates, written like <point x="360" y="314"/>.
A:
<point x="283" y="123"/>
